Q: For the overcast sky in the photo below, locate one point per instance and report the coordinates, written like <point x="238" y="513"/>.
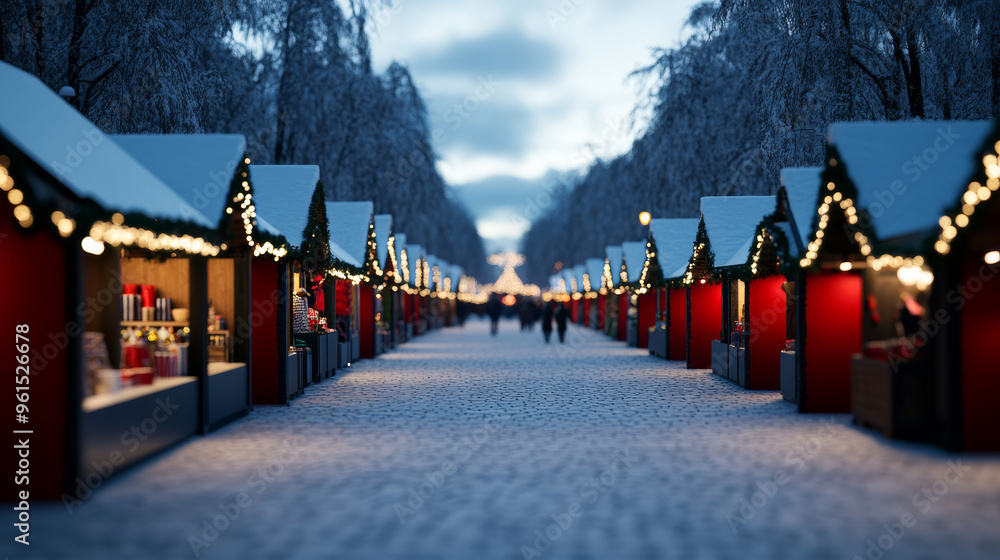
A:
<point x="518" y="90"/>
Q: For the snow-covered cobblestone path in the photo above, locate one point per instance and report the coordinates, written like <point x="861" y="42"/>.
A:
<point x="462" y="446"/>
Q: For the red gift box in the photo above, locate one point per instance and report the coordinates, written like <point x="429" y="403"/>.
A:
<point x="137" y="376"/>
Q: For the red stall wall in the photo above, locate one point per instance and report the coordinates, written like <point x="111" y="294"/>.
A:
<point x="601" y="310"/>
<point x="677" y="340"/>
<point x="367" y="318"/>
<point x="766" y="305"/>
<point x="574" y="311"/>
<point x="647" y="317"/>
<point x="264" y="318"/>
<point x="980" y="324"/>
<point x="706" y="323"/>
<point x="34" y="284"/>
<point x="586" y="312"/>
<point x="623" y="316"/>
<point x="833" y="333"/>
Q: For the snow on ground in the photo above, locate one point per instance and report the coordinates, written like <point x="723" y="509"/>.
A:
<point x="463" y="446"/>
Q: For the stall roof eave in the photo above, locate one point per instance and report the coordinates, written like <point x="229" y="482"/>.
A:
<point x="635" y="258"/>
<point x="802" y="191"/>
<point x="674" y="239"/>
<point x="349" y="226"/>
<point x="198" y="167"/>
<point x="731" y="223"/>
<point x="908" y="174"/>
<point x="107" y="175"/>
<point x="283" y="194"/>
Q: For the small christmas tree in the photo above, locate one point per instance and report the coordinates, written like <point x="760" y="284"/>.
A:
<point x="315" y="249"/>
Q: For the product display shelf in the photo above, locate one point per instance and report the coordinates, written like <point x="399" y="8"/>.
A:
<point x="155" y="324"/>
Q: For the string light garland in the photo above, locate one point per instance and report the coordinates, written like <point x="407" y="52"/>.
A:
<point x="975" y="194"/>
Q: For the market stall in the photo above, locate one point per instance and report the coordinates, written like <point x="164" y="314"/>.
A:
<point x="894" y="385"/>
<point x="671" y="239"/>
<point x="596" y="293"/>
<point x="352" y="240"/>
<point x="749" y="299"/>
<point x="81" y="219"/>
<point x="385" y="337"/>
<point x="613" y="280"/>
<point x="798" y="198"/>
<point x="290" y="198"/>
<point x="183" y="162"/>
<point x="401" y="303"/>
<point x="967" y="254"/>
<point x="634" y="257"/>
<point x="704" y="304"/>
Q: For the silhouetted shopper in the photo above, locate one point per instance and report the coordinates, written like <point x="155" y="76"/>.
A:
<point x="547" y="314"/>
<point x="527" y="314"/>
<point x="561" y="316"/>
<point x="493" y="309"/>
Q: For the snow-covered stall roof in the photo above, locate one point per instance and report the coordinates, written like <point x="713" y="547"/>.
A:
<point x="432" y="261"/>
<point x="55" y="136"/>
<point x="802" y="188"/>
<point x="578" y="272"/>
<point x="614" y="253"/>
<point x="731" y="223"/>
<point x="635" y="258"/>
<point x="455" y="272"/>
<point x="349" y="227"/>
<point x="383" y="229"/>
<point x="554" y="283"/>
<point x="414" y="254"/>
<point x="399" y="247"/>
<point x="282" y="194"/>
<point x="674" y="239"/>
<point x="908" y="174"/>
<point x="595" y="270"/>
<point x="570" y="277"/>
<point x="198" y="167"/>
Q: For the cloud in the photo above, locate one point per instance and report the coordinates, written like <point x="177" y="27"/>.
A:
<point x="471" y="125"/>
<point x="509" y="54"/>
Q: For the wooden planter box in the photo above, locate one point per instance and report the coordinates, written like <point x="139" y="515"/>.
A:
<point x="897" y="403"/>
<point x="720" y="358"/>
<point x="355" y="348"/>
<point x="788" y="381"/>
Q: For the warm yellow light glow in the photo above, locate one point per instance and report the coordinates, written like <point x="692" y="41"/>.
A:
<point x="66" y="227"/>
<point x="845" y="266"/>
<point x="945" y="221"/>
<point x="92" y="246"/>
<point x="15" y="197"/>
<point x="993" y="257"/>
<point x="644" y="218"/>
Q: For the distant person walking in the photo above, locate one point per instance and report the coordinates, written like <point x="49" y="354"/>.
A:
<point x="547" y="314"/>
<point x="561" y="316"/>
<point x="494" y="308"/>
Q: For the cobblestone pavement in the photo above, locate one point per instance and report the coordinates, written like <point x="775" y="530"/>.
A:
<point x="463" y="446"/>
